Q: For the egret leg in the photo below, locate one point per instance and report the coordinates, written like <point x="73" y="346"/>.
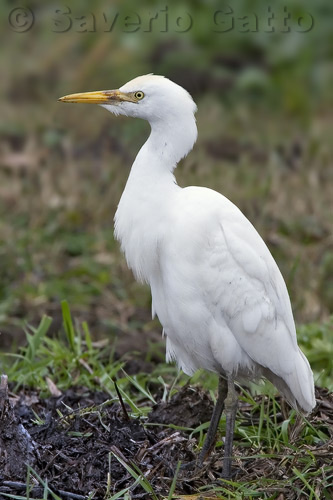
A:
<point x="231" y="402"/>
<point x="211" y="433"/>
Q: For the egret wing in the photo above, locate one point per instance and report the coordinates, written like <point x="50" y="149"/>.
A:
<point x="262" y="319"/>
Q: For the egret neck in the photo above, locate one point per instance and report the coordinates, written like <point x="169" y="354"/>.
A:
<point x="151" y="186"/>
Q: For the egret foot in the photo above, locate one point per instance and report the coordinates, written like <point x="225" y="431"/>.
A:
<point x="217" y="412"/>
<point x="230" y="404"/>
<point x="232" y="475"/>
<point x="227" y="399"/>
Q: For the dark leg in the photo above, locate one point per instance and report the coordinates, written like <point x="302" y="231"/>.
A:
<point x="211" y="433"/>
<point x="230" y="404"/>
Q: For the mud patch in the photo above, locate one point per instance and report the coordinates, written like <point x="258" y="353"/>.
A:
<point x="190" y="407"/>
<point x="83" y="443"/>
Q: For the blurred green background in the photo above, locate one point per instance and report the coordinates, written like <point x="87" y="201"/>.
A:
<point x="265" y="140"/>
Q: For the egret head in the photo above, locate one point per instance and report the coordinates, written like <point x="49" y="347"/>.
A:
<point x="150" y="97"/>
<point x="165" y="105"/>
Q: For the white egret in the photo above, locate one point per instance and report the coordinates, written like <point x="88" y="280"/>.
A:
<point x="215" y="286"/>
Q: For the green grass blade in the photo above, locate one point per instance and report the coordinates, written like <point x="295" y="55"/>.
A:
<point x="34" y="340"/>
<point x="87" y="336"/>
<point x="44" y="484"/>
<point x="68" y="325"/>
<point x="140" y="388"/>
<point x="305" y="482"/>
<point x="174" y="481"/>
<point x="137" y="475"/>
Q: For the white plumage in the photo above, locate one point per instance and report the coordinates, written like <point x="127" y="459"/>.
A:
<point x="215" y="287"/>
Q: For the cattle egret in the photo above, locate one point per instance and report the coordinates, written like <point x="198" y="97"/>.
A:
<point x="215" y="287"/>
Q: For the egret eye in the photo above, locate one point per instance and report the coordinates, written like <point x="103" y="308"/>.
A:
<point x="139" y="95"/>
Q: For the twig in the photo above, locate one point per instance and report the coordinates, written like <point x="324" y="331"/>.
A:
<point x="23" y="486"/>
<point x="3" y="393"/>
<point x="174" y="438"/>
<point x="118" y="453"/>
<point x="121" y="401"/>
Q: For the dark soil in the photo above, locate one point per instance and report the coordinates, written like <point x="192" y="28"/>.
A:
<point x="83" y="440"/>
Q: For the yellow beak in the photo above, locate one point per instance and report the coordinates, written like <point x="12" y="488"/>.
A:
<point x="99" y="97"/>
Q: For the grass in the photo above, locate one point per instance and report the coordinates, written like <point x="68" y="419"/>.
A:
<point x="73" y="358"/>
<point x="291" y="444"/>
<point x="317" y="344"/>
